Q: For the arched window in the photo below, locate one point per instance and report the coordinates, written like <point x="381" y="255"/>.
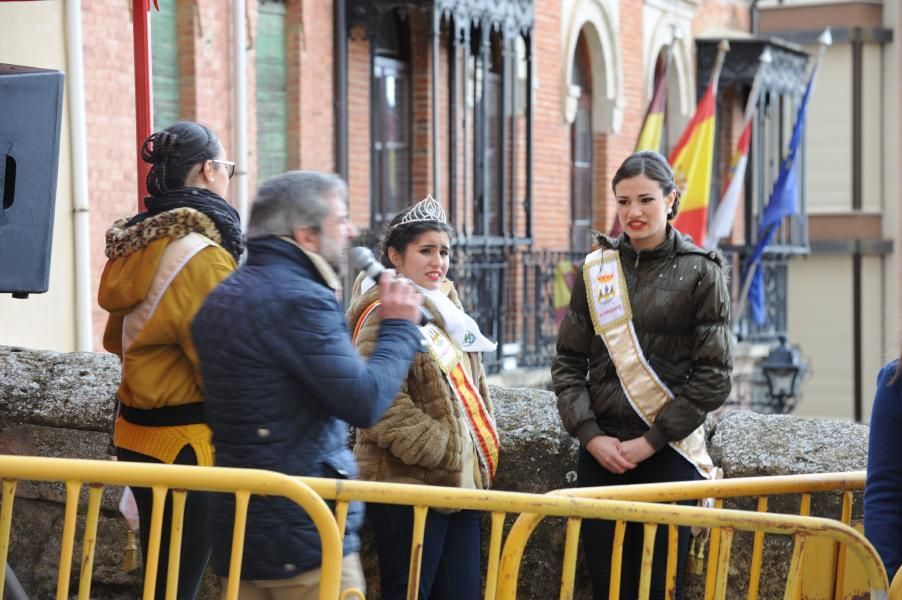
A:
<point x="485" y="97"/>
<point x="391" y="120"/>
<point x="581" y="185"/>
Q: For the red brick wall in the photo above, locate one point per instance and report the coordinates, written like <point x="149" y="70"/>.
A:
<point x="317" y="116"/>
<point x="359" y="129"/>
<point x="551" y="133"/>
<point x="206" y="58"/>
<point x="206" y="47"/>
<point x="109" y="104"/>
<point x="421" y="85"/>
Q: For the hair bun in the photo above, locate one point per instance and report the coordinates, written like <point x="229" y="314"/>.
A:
<point x="158" y="146"/>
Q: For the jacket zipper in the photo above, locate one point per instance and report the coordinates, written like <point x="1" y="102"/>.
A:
<point x="636" y="265"/>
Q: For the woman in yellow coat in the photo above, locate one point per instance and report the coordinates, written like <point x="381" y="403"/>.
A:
<point x="162" y="264"/>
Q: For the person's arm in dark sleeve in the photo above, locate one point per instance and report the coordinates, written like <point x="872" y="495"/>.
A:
<point x="883" y="489"/>
<point x="571" y="365"/>
<point x="315" y="346"/>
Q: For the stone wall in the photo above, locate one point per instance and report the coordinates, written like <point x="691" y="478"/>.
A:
<point x="61" y="405"/>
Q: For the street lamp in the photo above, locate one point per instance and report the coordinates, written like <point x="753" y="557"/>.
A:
<point x="783" y="370"/>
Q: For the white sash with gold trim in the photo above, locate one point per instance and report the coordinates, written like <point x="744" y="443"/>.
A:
<point x="612" y="318"/>
<point x="449" y="357"/>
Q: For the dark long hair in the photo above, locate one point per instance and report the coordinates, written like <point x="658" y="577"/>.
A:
<point x="400" y="236"/>
<point x="173" y="152"/>
<point x="655" y="167"/>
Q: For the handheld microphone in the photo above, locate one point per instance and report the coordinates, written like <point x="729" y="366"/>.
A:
<point x="362" y="259"/>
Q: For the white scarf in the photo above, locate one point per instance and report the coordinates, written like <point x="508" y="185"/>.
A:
<point x="459" y="326"/>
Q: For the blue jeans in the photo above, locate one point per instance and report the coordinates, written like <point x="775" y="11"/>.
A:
<point x="451" y="552"/>
<point x="598" y="536"/>
<point x="196" y="540"/>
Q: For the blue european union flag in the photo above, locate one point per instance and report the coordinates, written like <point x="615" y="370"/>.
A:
<point x="782" y="203"/>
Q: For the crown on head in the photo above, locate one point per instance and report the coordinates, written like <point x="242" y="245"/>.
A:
<point x="427" y="209"/>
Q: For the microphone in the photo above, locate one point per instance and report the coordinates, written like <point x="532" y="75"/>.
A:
<point x="362" y="259"/>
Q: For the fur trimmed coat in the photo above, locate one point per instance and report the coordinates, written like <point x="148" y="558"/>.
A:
<point x="421" y="438"/>
<point x="160" y="368"/>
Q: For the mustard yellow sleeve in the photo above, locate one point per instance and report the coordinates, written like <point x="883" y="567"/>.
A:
<point x="202" y="273"/>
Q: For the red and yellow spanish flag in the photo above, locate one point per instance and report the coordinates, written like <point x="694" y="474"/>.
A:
<point x="653" y="126"/>
<point x="692" y="159"/>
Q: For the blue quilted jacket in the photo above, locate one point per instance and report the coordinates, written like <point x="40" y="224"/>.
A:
<point x="282" y="381"/>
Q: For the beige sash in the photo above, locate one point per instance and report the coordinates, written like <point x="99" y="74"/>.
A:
<point x="612" y="318"/>
<point x="175" y="256"/>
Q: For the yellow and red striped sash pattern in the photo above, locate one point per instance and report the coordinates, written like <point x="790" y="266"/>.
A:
<point x="450" y="360"/>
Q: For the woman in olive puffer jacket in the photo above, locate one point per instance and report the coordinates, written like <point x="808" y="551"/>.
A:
<point x="680" y="317"/>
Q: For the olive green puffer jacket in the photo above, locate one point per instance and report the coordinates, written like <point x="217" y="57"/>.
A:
<point x="681" y="313"/>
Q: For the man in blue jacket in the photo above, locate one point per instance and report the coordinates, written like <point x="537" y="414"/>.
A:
<point x="282" y="379"/>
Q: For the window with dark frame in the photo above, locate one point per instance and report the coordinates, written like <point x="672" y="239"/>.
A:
<point x="391" y="121"/>
<point x="488" y="207"/>
<point x="581" y="156"/>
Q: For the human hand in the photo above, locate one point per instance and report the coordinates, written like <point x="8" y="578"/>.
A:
<point x="607" y="451"/>
<point x="399" y="298"/>
<point x="637" y="449"/>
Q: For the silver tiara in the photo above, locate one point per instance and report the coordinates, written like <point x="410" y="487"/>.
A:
<point x="427" y="209"/>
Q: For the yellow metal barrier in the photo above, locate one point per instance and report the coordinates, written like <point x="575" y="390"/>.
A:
<point x="895" y="590"/>
<point x="576" y="504"/>
<point x="503" y="561"/>
<point x="752" y="487"/>
<point x="242" y="482"/>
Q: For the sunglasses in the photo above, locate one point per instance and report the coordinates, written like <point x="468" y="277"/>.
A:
<point x="228" y="164"/>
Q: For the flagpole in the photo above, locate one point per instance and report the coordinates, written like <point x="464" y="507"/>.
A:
<point x="752" y="104"/>
<point x="825" y="39"/>
<point x="722" y="48"/>
<point x="721" y="224"/>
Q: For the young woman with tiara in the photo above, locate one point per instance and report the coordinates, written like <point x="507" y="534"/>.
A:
<point x="440" y="429"/>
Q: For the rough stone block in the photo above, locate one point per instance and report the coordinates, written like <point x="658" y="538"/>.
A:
<point x="68" y="390"/>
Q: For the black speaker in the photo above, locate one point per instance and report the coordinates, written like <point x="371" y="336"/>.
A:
<point x="31" y="102"/>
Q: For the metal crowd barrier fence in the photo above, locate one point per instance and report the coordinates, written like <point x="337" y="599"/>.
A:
<point x="503" y="567"/>
<point x="96" y="474"/>
<point x="756" y="488"/>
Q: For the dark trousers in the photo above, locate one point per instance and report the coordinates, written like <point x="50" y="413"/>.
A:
<point x="196" y="541"/>
<point x="451" y="552"/>
<point x="598" y="536"/>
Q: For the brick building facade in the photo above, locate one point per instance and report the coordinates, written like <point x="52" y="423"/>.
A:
<point x="390" y="155"/>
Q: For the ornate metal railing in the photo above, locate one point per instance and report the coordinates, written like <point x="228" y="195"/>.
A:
<point x="518" y="295"/>
<point x="484" y="282"/>
<point x="548" y="275"/>
<point x="510" y="291"/>
<point x="776" y="283"/>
